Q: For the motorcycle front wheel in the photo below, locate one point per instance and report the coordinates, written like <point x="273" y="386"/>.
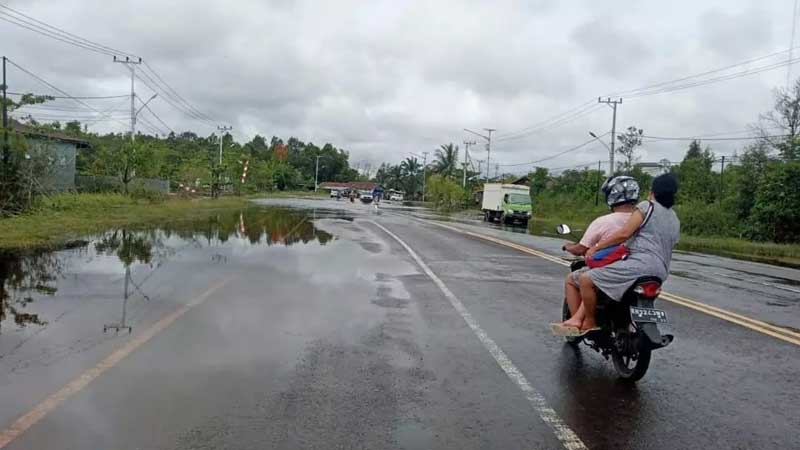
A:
<point x="631" y="367"/>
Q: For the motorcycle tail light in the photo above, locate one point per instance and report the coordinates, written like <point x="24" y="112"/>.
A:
<point x="650" y="289"/>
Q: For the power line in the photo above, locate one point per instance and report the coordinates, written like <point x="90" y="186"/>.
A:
<point x="51" y="86"/>
<point x="703" y="82"/>
<point x="40" y="27"/>
<point x="176" y="94"/>
<point x="161" y="86"/>
<point x="77" y="97"/>
<point x="551" y="122"/>
<point x="729" y="138"/>
<point x="147" y="107"/>
<point x="571" y="149"/>
<point x="697" y="75"/>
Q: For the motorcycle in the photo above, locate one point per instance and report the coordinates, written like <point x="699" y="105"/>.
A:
<point x="628" y="328"/>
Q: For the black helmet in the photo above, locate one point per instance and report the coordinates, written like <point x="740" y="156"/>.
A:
<point x="620" y="190"/>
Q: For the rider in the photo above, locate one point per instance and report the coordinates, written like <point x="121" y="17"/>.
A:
<point x="650" y="234"/>
<point x="622" y="193"/>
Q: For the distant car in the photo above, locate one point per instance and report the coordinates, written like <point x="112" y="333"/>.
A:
<point x="396" y="197"/>
<point x="334" y="193"/>
<point x="365" y="196"/>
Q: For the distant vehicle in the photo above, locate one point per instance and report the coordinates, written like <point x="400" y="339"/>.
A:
<point x="396" y="197"/>
<point x="335" y="193"/>
<point x="508" y="203"/>
<point x="365" y="196"/>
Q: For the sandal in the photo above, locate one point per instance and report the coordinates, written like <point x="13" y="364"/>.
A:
<point x="588" y="330"/>
<point x="559" y="329"/>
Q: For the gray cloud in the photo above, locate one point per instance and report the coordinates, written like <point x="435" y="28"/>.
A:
<point x="383" y="78"/>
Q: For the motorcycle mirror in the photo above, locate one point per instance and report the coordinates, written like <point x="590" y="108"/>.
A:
<point x="563" y="229"/>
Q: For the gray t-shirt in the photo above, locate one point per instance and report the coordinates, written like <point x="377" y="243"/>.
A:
<point x="658" y="236"/>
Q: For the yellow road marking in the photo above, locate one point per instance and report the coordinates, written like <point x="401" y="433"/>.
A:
<point x="29" y="419"/>
<point x="777" y="332"/>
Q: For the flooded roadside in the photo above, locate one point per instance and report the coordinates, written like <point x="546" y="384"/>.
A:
<point x="35" y="288"/>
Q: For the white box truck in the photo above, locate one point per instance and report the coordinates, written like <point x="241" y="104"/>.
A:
<point x="508" y="203"/>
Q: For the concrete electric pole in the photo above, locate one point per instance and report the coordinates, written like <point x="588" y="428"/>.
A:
<point x="466" y="157"/>
<point x="316" y="175"/>
<point x="613" y="104"/>
<point x="131" y="64"/>
<point x="424" y="172"/>
<point x="222" y="131"/>
<point x="488" y="138"/>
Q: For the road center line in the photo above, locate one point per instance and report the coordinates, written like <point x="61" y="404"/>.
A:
<point x="768" y="329"/>
<point x="46" y="406"/>
<point x="568" y="438"/>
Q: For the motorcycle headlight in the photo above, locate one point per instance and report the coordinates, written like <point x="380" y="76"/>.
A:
<point x="528" y="213"/>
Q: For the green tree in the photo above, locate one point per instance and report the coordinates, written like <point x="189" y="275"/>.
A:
<point x="628" y="143"/>
<point x="780" y="128"/>
<point x="446" y="162"/>
<point x="444" y="193"/>
<point x="776" y="212"/>
<point x="697" y="181"/>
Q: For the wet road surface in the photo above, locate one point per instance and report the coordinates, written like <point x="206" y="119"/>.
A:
<point x="311" y="327"/>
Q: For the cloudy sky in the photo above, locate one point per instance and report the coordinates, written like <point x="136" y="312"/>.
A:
<point x="385" y="78"/>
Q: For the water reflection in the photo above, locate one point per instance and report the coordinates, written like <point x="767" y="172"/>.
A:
<point x="24" y="277"/>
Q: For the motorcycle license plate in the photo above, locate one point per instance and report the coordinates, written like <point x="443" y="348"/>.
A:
<point x="648" y="315"/>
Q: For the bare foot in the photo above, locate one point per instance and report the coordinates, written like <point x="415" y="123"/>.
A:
<point x="572" y="323"/>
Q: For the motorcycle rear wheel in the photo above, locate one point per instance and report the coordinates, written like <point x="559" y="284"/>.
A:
<point x="629" y="368"/>
<point x="565" y="314"/>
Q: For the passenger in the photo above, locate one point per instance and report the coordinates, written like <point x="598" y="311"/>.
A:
<point x="622" y="193"/>
<point x="651" y="233"/>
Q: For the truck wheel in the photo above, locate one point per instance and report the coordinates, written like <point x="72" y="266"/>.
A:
<point x="486" y="216"/>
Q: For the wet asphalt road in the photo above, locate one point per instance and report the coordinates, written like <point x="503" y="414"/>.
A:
<point x="340" y="340"/>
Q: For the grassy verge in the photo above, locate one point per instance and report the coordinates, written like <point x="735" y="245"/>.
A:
<point x="767" y="252"/>
<point x="69" y="216"/>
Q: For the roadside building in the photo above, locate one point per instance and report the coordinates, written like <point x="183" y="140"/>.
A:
<point x="53" y="155"/>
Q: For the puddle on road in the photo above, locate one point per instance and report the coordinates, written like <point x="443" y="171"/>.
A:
<point x="134" y="255"/>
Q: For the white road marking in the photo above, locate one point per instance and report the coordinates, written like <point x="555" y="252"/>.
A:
<point x="568" y="438"/>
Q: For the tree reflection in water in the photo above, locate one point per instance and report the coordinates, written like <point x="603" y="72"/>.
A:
<point x="22" y="276"/>
<point x="19" y="278"/>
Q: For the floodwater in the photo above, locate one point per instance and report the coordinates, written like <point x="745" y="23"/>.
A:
<point x="40" y="287"/>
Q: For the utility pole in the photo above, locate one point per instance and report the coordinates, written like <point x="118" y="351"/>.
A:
<point x="613" y="104"/>
<point x="466" y="156"/>
<point x="131" y="64"/>
<point x="599" y="184"/>
<point x="6" y="151"/>
<point x="488" y="138"/>
<point x="424" y="172"/>
<point x="496" y="170"/>
<point x="222" y="130"/>
<point x="480" y="170"/>
<point x="316" y="175"/>
<point x="722" y="179"/>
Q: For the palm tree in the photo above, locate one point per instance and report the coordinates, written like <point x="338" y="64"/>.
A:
<point x="410" y="170"/>
<point x="446" y="160"/>
<point x="395" y="176"/>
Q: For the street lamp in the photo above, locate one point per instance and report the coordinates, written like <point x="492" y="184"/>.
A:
<point x="598" y="140"/>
